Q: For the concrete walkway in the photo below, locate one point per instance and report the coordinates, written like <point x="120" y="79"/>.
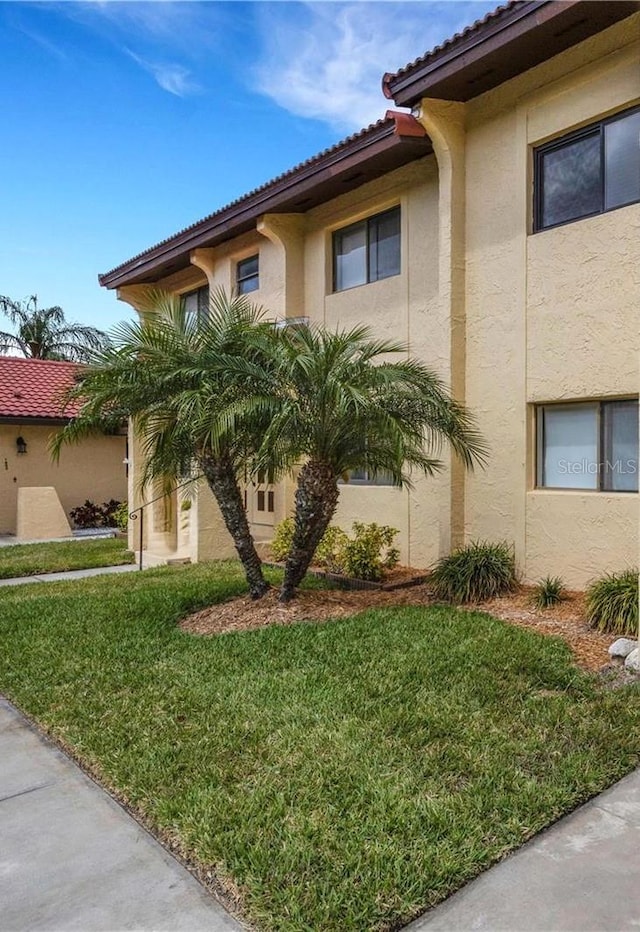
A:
<point x="72" y="858"/>
<point x="581" y="875"/>
<point x="68" y="574"/>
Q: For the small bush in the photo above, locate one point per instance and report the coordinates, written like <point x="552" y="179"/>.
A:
<point x="330" y="550"/>
<point x="369" y="552"/>
<point x="612" y="603"/>
<point x="365" y="555"/>
<point x="91" y="515"/>
<point x="475" y="573"/>
<point x="549" y="591"/>
<point x="282" y="539"/>
<point x="121" y="516"/>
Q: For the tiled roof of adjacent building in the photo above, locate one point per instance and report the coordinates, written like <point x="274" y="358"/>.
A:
<point x="32" y="388"/>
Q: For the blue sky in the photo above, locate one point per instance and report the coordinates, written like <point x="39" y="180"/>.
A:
<point x="124" y="122"/>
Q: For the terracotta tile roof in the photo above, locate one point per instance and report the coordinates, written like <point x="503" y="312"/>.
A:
<point x="31" y="388"/>
<point x="391" y="119"/>
<point x="457" y="38"/>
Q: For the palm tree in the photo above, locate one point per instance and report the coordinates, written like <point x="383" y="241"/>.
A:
<point x="182" y="381"/>
<point x="338" y="405"/>
<point x="44" y="333"/>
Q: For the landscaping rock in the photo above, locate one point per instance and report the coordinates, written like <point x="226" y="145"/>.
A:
<point x="622" y="647"/>
<point x="633" y="661"/>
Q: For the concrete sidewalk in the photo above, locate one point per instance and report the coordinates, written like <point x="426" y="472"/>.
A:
<point x="72" y="858"/>
<point x="68" y="574"/>
<point x="581" y="875"/>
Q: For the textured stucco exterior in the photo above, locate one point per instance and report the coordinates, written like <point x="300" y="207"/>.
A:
<point x="509" y="318"/>
<point x="551" y="315"/>
<point x="91" y="470"/>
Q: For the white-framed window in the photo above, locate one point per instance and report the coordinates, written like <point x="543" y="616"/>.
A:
<point x="588" y="172"/>
<point x="367" y="251"/>
<point x="196" y="303"/>
<point x="588" y="445"/>
<point x="248" y="275"/>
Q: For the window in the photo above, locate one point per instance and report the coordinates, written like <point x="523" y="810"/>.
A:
<point x="367" y="251"/>
<point x="588" y="172"/>
<point x="589" y="446"/>
<point x="365" y="477"/>
<point x="247" y="275"/>
<point x="196" y="303"/>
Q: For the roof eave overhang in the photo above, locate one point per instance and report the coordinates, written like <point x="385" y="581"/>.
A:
<point x="528" y="35"/>
<point x="34" y="421"/>
<point x="385" y="148"/>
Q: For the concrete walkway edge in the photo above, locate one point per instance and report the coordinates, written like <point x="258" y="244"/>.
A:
<point x="582" y="874"/>
<point x="68" y="574"/>
<point x="73" y="859"/>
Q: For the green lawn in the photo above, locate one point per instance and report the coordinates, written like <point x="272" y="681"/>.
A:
<point x="345" y="776"/>
<point x="34" y="559"/>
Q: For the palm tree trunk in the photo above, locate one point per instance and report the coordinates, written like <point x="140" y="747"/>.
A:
<point x="316" y="500"/>
<point x="221" y="479"/>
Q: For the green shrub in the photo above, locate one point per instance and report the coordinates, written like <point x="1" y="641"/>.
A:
<point x="549" y="591"/>
<point x="612" y="603"/>
<point x="121" y="516"/>
<point x="330" y="550"/>
<point x="365" y="555"/>
<point x="282" y="539"/>
<point x="475" y="573"/>
<point x="369" y="552"/>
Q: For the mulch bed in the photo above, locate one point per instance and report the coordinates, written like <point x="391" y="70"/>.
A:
<point x="566" y="620"/>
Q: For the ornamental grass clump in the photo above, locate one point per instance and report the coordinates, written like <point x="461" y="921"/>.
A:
<point x="612" y="603"/>
<point x="548" y="592"/>
<point x="475" y="573"/>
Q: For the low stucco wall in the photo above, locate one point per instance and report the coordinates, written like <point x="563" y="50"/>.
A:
<point x="92" y="470"/>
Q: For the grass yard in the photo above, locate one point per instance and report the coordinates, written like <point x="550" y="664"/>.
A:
<point x="57" y="557"/>
<point x="340" y="777"/>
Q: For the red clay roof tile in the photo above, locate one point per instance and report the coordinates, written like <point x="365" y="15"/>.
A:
<point x="31" y="388"/>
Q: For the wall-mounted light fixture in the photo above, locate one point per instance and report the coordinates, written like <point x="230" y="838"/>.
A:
<point x="21" y="446"/>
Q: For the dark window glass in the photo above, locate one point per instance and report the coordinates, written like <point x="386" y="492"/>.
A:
<point x="367" y="251"/>
<point x="350" y="247"/>
<point x="196" y="303"/>
<point x="571" y="181"/>
<point x="248" y="275"/>
<point x="260" y="501"/>
<point x="622" y="161"/>
<point x="270" y="501"/>
<point x="589" y="172"/>
<point x="384" y="246"/>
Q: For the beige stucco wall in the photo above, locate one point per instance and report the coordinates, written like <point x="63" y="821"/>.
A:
<point x="405" y="308"/>
<point x="551" y="315"/>
<point x="92" y="470"/>
<point x="509" y="317"/>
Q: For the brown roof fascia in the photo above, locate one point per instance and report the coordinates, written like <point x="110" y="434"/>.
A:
<point x="505" y="43"/>
<point x="388" y="144"/>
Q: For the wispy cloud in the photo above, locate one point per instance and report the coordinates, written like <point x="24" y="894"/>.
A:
<point x="174" y="78"/>
<point x="325" y="60"/>
<point x="167" y="39"/>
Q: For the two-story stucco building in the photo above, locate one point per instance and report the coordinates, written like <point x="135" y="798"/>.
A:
<point x="496" y="229"/>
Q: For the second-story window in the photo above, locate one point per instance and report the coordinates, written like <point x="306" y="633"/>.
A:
<point x="588" y="172"/>
<point x="196" y="303"/>
<point x="367" y="251"/>
<point x="248" y="275"/>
